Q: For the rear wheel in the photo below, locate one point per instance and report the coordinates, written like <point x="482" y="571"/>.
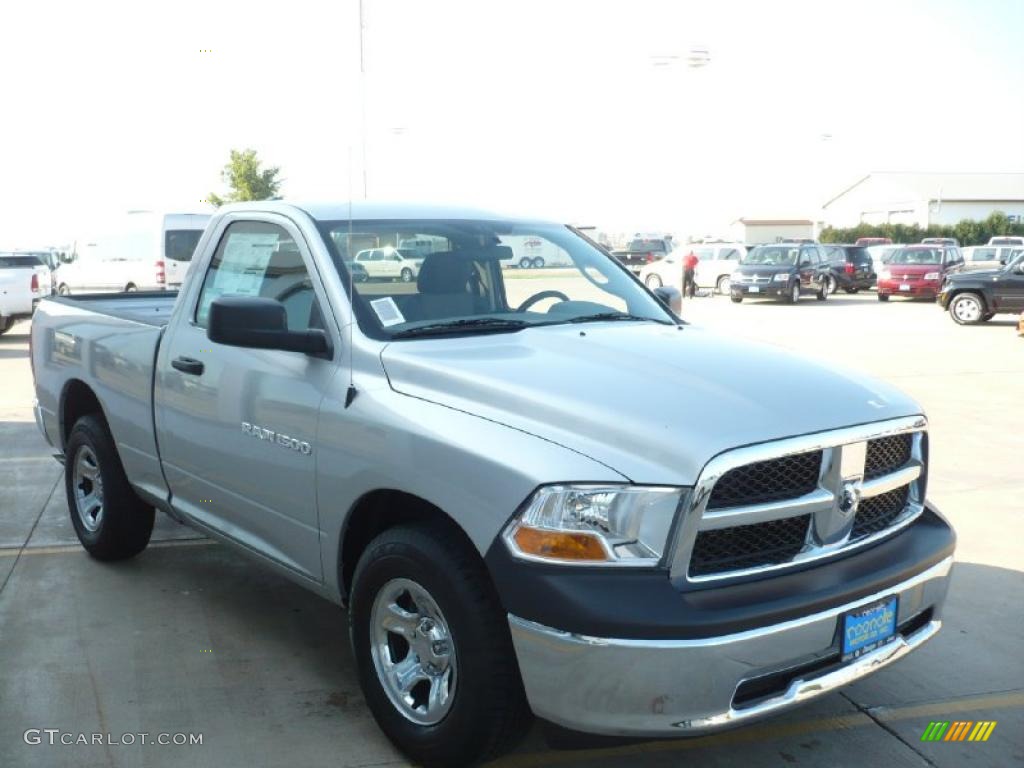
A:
<point x="435" y="658"/>
<point x="406" y="275"/>
<point x="111" y="522"/>
<point x="883" y="297"/>
<point x="794" y="292"/>
<point x="6" y="323"/>
<point x="724" y="285"/>
<point x="653" y="281"/>
<point x="538" y="263"/>
<point x="524" y="263"/>
<point x="63" y="290"/>
<point x="130" y="288"/>
<point x="823" y="291"/>
<point x="967" y="309"/>
<point x="851" y="290"/>
<point x="831" y="284"/>
<point x="736" y="299"/>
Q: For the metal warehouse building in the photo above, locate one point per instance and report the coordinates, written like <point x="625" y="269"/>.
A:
<point x="926" y="198"/>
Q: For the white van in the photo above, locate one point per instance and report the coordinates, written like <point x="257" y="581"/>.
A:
<point x="143" y="250"/>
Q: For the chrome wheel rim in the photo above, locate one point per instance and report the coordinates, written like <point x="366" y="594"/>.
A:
<point x="88" y="486"/>
<point x="413" y="652"/>
<point x="406" y="275"/>
<point x="967" y="309"/>
<point x="653" y="281"/>
<point x="724" y="285"/>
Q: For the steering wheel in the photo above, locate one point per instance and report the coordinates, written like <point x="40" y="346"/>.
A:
<point x="540" y="297"/>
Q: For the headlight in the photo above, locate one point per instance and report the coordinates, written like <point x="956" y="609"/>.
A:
<point x="932" y="276"/>
<point x="883" y="274"/>
<point x="594" y="524"/>
<point x="781" y="278"/>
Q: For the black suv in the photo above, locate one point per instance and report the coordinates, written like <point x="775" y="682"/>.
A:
<point x="975" y="297"/>
<point x="850" y="268"/>
<point x="781" y="271"/>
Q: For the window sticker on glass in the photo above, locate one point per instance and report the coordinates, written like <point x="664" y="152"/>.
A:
<point x="244" y="263"/>
<point x="387" y="311"/>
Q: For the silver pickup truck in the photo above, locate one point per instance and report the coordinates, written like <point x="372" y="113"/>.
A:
<point x="453" y="460"/>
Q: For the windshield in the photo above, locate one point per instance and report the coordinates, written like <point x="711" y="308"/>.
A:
<point x="917" y="256"/>
<point x="480" y="276"/>
<point x="179" y="244"/>
<point x="773" y="255"/>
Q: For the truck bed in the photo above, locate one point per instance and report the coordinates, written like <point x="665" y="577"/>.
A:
<point x="149" y="307"/>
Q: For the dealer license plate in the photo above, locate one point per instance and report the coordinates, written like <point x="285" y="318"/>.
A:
<point x="904" y="287"/>
<point x="868" y="628"/>
<point x="753" y="289"/>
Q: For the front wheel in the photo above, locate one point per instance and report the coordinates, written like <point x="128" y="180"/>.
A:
<point x="63" y="290"/>
<point x="967" y="309"/>
<point x="538" y="263"/>
<point x="432" y="645"/>
<point x="823" y="291"/>
<point x="406" y="275"/>
<point x="111" y="522"/>
<point x="831" y="284"/>
<point x="883" y="297"/>
<point x="524" y="263"/>
<point x="736" y="299"/>
<point x="794" y="293"/>
<point x="130" y="288"/>
<point x="724" y="285"/>
<point x="653" y="281"/>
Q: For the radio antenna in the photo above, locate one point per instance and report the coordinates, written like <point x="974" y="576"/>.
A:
<point x="350" y="395"/>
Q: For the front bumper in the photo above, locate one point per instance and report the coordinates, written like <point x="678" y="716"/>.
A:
<point x="770" y="290"/>
<point x="918" y="289"/>
<point x="685" y="687"/>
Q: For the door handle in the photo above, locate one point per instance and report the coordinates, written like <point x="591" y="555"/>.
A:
<point x="188" y="365"/>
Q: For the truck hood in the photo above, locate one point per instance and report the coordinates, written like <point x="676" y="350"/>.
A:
<point x="652" y="402"/>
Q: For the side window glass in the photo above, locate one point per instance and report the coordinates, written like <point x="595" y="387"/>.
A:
<point x="260" y="259"/>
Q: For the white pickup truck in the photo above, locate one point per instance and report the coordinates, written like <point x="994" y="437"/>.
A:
<point x="452" y="460"/>
<point x="24" y="280"/>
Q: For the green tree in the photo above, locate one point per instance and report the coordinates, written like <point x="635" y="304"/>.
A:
<point x="246" y="179"/>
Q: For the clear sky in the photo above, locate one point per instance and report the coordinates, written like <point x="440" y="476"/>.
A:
<point x="559" y="108"/>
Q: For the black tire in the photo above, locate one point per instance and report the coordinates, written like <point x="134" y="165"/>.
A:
<point x="130" y="288"/>
<point x="883" y="297"/>
<point x="406" y="275"/>
<point x="967" y="308"/>
<point x="823" y="291"/>
<point x="831" y="284"/>
<point x="6" y="324"/>
<point x="793" y="293"/>
<point x="488" y="712"/>
<point x="124" y="523"/>
<point x="736" y="299"/>
<point x="851" y="290"/>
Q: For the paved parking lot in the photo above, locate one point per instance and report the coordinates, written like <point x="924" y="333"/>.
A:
<point x="190" y="637"/>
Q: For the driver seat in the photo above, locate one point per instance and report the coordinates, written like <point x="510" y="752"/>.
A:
<point x="444" y="289"/>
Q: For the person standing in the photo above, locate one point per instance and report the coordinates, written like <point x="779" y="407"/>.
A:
<point x="689" y="270"/>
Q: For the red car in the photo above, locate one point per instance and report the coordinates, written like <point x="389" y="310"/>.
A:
<point x="917" y="271"/>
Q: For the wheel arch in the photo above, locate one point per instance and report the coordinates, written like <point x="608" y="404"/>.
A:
<point x="375" y="512"/>
<point x="77" y="399"/>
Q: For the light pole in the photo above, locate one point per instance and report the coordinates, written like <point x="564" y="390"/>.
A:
<point x="362" y="96"/>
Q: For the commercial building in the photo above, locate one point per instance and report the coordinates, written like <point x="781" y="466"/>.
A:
<point x="926" y="198"/>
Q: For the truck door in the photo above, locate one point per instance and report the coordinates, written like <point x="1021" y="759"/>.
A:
<point x="237" y="427"/>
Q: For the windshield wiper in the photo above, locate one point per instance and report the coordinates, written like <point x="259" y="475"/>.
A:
<point x="602" y="316"/>
<point x="484" y="324"/>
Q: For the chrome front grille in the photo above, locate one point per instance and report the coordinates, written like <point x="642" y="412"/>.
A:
<point x="786" y="478"/>
<point x="776" y="505"/>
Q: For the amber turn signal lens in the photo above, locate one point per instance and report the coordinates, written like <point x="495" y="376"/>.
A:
<point x="560" y="545"/>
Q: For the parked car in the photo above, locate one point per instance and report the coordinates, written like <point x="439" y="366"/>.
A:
<point x="941" y="241"/>
<point x="873" y="241"/>
<point x="140" y="251"/>
<point x="917" y="271"/>
<point x="714" y="268"/>
<point x="533" y="253"/>
<point x="1006" y="240"/>
<point x="976" y="297"/>
<point x="508" y="533"/>
<point x="24" y="280"/>
<point x="989" y="256"/>
<point x="850" y="268"/>
<point x="642" y="251"/>
<point x="389" y="263"/>
<point x="782" y="271"/>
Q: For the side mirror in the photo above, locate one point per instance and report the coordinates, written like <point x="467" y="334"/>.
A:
<point x="260" y="323"/>
<point x="670" y="297"/>
<point x="1019" y="269"/>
